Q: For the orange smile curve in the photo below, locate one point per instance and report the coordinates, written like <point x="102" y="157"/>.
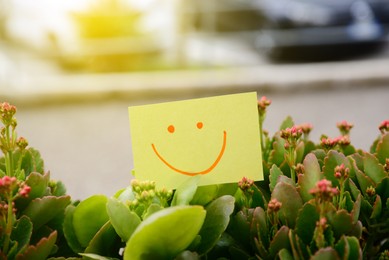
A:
<point x="209" y="169"/>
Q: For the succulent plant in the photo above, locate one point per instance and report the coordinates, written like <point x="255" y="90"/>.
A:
<point x="31" y="205"/>
<point x="324" y="200"/>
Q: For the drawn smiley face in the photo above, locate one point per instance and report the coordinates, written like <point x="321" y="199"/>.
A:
<point x="199" y="125"/>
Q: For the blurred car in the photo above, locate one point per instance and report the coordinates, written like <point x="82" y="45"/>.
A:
<point x="321" y="28"/>
<point x="290" y="29"/>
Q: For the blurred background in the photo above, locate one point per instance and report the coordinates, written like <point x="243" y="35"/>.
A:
<point x="73" y="67"/>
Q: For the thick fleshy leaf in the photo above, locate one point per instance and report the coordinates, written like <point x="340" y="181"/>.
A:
<point x="106" y="242"/>
<point x="259" y="229"/>
<point x="364" y="181"/>
<point x="291" y="202"/>
<point x="277" y="154"/>
<point x="166" y="233"/>
<point x="327" y="253"/>
<point x="298" y="248"/>
<point x="21" y="233"/>
<point x="356" y="209"/>
<point x="90" y="256"/>
<point x="154" y="207"/>
<point x="275" y="172"/>
<point x="373" y="168"/>
<point x="332" y="160"/>
<point x="349" y="248"/>
<point x="342" y="223"/>
<point x="38" y="184"/>
<point x="306" y="222"/>
<point x="122" y="218"/>
<point x="41" y="250"/>
<point x="383" y="148"/>
<point x="300" y="149"/>
<point x="350" y="185"/>
<point x="88" y="217"/>
<point x="216" y="221"/>
<point x="185" y="192"/>
<point x="187" y="255"/>
<point x="69" y="232"/>
<point x="284" y="254"/>
<point x="280" y="242"/>
<point x="287" y="123"/>
<point x="31" y="162"/>
<point x="205" y="194"/>
<point x="239" y="227"/>
<point x="383" y="189"/>
<point x="42" y="210"/>
<point x="377" y="207"/>
<point x="312" y="174"/>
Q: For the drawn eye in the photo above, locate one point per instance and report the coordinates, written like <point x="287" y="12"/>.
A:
<point x="200" y="125"/>
<point x="171" y="129"/>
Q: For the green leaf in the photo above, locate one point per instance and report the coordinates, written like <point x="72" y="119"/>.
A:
<point x="21" y="233"/>
<point x="154" y="207"/>
<point x="341" y="223"/>
<point x="306" y="222"/>
<point x="300" y="148"/>
<point x="42" y="210"/>
<point x="327" y="253"/>
<point x="105" y="242"/>
<point x="287" y="123"/>
<point x="68" y="230"/>
<point x="185" y="192"/>
<point x="280" y="242"/>
<point x="383" y="189"/>
<point x="364" y="181"/>
<point x="277" y="155"/>
<point x="166" y="233"/>
<point x="348" y="248"/>
<point x="122" y="218"/>
<point x="187" y="255"/>
<point x="382" y="150"/>
<point x="284" y="254"/>
<point x="373" y="168"/>
<point x="275" y="172"/>
<point x="356" y="209"/>
<point x="31" y="162"/>
<point x="312" y="174"/>
<point x="291" y="203"/>
<point x="259" y="230"/>
<point x="377" y="208"/>
<point x="96" y="257"/>
<point x="41" y="250"/>
<point x="332" y="160"/>
<point x="216" y="221"/>
<point x="88" y="217"/>
<point x="205" y="194"/>
<point x="38" y="184"/>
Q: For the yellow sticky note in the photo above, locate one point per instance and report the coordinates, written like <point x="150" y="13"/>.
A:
<point x="216" y="137"/>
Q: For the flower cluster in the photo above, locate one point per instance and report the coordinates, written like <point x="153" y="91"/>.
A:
<point x="263" y="103"/>
<point x="245" y="184"/>
<point x="324" y="190"/>
<point x="341" y="172"/>
<point x="330" y="143"/>
<point x="384" y="126"/>
<point x="291" y="136"/>
<point x="145" y="193"/>
<point x="344" y="127"/>
<point x="274" y="206"/>
<point x="9" y="184"/>
<point x="7" y="113"/>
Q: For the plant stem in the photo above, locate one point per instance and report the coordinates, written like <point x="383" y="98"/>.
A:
<point x="8" y="230"/>
<point x="261" y="133"/>
<point x="292" y="164"/>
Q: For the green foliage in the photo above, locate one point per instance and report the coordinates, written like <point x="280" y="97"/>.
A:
<point x="318" y="201"/>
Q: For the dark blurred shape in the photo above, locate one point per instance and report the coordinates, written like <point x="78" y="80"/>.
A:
<point x="322" y="29"/>
<point x="300" y="29"/>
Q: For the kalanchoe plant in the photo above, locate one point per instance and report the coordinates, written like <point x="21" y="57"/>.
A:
<point x="324" y="200"/>
<point x="31" y="205"/>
